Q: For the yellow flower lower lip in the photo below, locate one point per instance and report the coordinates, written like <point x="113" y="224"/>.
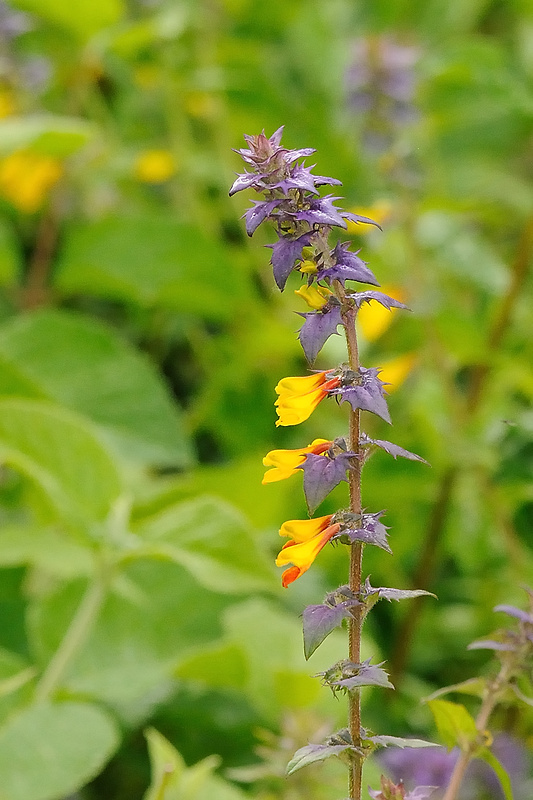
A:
<point x="302" y="530"/>
<point x="285" y="462"/>
<point x="302" y="552"/>
<point x="299" y="396"/>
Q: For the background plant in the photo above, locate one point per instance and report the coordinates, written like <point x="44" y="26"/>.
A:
<point x="129" y="293"/>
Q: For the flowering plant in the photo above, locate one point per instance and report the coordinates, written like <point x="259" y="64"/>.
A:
<point x="304" y="221"/>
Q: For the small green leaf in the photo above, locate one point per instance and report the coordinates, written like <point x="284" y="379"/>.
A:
<point x="312" y="753"/>
<point x="49" y="750"/>
<point x="488" y="756"/>
<point x="398" y="741"/>
<point x="473" y="686"/>
<point x="455" y="724"/>
<point x="173" y="780"/>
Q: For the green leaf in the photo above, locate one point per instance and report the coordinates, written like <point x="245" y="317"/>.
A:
<point x="46" y="548"/>
<point x="488" y="756"/>
<point x="61" y="453"/>
<point x="156" y="613"/>
<point x="45" y="133"/>
<point x="473" y="686"/>
<point x="173" y="780"/>
<point x="455" y="724"/>
<point x="210" y="539"/>
<point x="48" y="751"/>
<point x="87" y="367"/>
<point x="397" y="741"/>
<point x="83" y="18"/>
<point x="312" y="753"/>
<point x="151" y="261"/>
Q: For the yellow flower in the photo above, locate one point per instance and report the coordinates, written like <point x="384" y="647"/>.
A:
<point x="7" y="103"/>
<point x="374" y="319"/>
<point x="27" y="177"/>
<point x="285" y="462"/>
<point x="308" y="267"/>
<point x="396" y="370"/>
<point x="308" y="537"/>
<point x="379" y="211"/>
<point x="315" y="296"/>
<point x="298" y="397"/>
<point x="155" y="166"/>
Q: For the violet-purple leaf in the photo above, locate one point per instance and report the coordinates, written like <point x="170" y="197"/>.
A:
<point x="393" y="450"/>
<point x="367" y="675"/>
<point x="368" y="395"/>
<point x="318" y="622"/>
<point x="285" y="253"/>
<point x="316" y="330"/>
<point x="321" y="475"/>
<point x="257" y="213"/>
<point x="517" y="613"/>
<point x="380" y="297"/>
<point x="358" y="218"/>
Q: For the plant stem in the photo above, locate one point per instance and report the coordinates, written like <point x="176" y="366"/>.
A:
<point x="75" y="636"/>
<point x="490" y="699"/>
<point x="356" y="558"/>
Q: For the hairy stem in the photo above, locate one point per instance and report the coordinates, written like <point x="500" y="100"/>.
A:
<point x="76" y="635"/>
<point x="356" y="557"/>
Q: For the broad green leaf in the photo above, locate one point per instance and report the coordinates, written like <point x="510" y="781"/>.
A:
<point x="87" y="367"/>
<point x="173" y="780"/>
<point x="212" y="540"/>
<point x="16" y="676"/>
<point x="155" y="614"/>
<point x="84" y="18"/>
<point x="151" y="261"/>
<point x="222" y="665"/>
<point x="61" y="453"/>
<point x="44" y="133"/>
<point x="455" y="724"/>
<point x="48" y="751"/>
<point x="46" y="548"/>
<point x="488" y="756"/>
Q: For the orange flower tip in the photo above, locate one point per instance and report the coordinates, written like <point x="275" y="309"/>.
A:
<point x="290" y="575"/>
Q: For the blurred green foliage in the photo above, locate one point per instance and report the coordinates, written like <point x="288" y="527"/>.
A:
<point x="140" y="341"/>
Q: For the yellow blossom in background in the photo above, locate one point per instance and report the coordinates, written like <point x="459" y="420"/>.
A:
<point x="26" y="178"/>
<point x="396" y="370"/>
<point x="315" y="296"/>
<point x="201" y="105"/>
<point x="155" y="166"/>
<point x="380" y="212"/>
<point x="7" y="103"/>
<point x="374" y="319"/>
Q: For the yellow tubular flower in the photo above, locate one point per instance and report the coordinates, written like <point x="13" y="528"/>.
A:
<point x="285" y="462"/>
<point x="298" y="397"/>
<point x="315" y="296"/>
<point x="308" y="538"/>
